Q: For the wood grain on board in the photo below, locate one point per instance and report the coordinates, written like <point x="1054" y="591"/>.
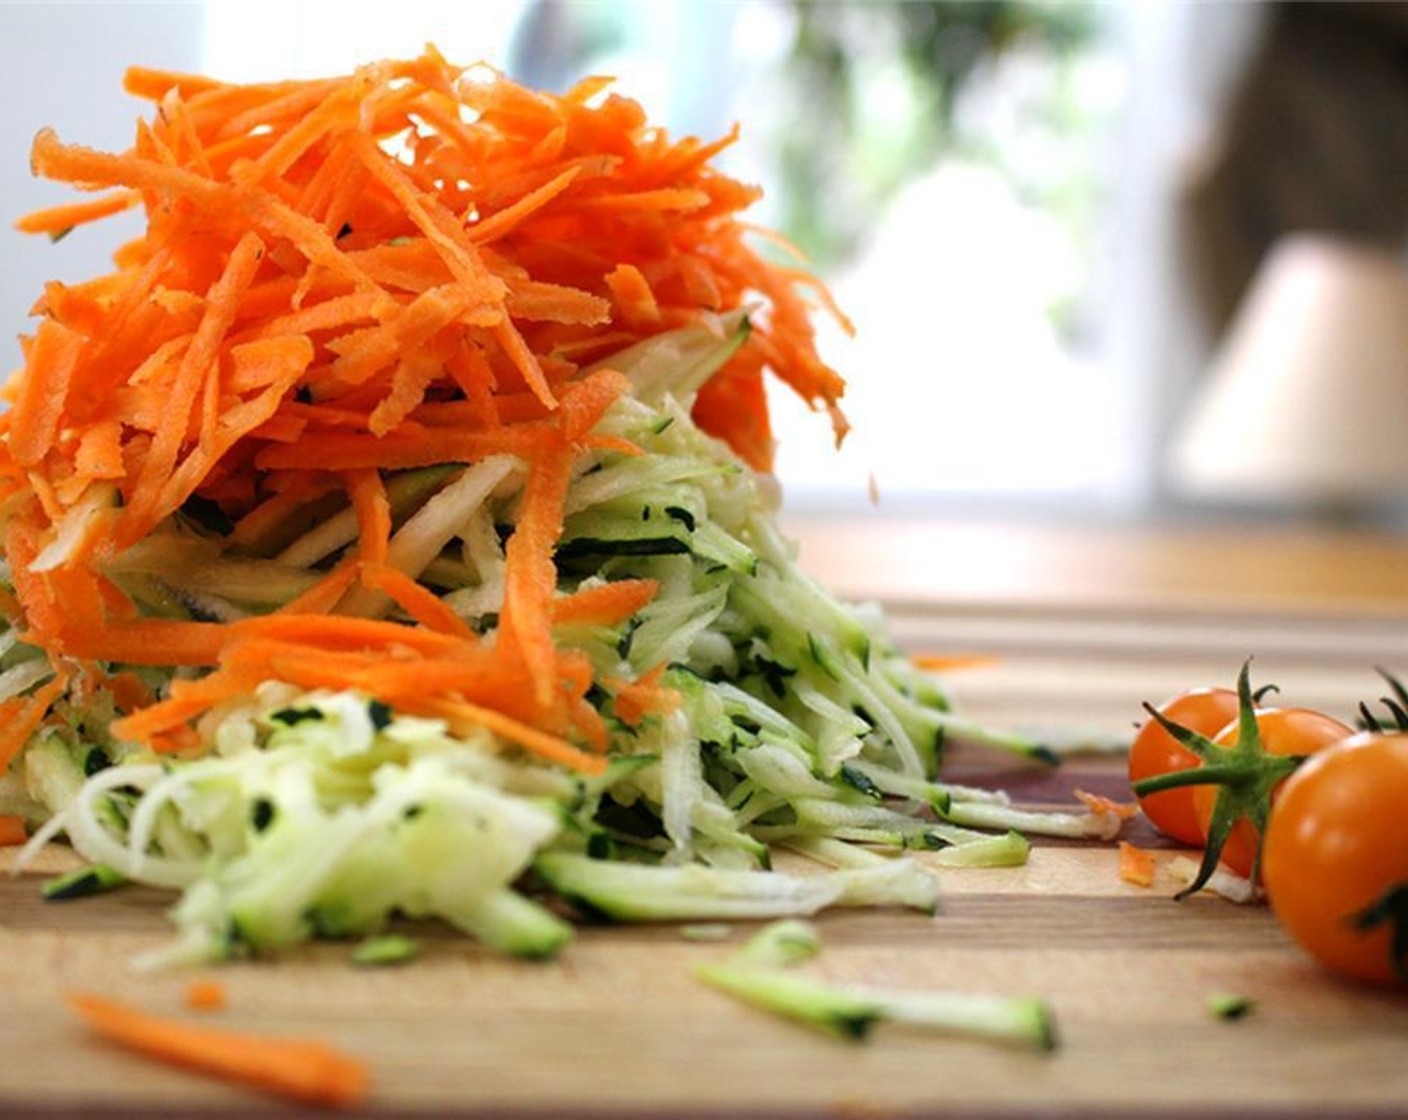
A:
<point x="618" y="1026"/>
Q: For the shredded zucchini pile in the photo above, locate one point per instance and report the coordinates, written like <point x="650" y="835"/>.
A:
<point x="799" y="724"/>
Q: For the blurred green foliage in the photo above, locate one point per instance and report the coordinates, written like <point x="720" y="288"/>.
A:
<point x="876" y="88"/>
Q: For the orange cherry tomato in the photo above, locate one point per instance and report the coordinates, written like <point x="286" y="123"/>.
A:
<point x="1154" y="751"/>
<point x="1337" y="846"/>
<point x="1283" y="731"/>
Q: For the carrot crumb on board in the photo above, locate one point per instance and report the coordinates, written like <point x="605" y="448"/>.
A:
<point x="304" y="1070"/>
<point x="12" y="832"/>
<point x="1105" y="806"/>
<point x="1136" y="865"/>
<point x="206" y="995"/>
<point x="947" y="662"/>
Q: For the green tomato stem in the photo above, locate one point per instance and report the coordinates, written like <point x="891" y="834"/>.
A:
<point x="1229" y="773"/>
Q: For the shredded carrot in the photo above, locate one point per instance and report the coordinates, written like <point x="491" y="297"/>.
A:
<point x="1136" y="865"/>
<point x="733" y="404"/>
<point x="373" y="515"/>
<point x="525" y="623"/>
<point x="467" y="716"/>
<point x="298" y="491"/>
<point x="206" y="995"/>
<point x="128" y="691"/>
<point x="646" y="695"/>
<point x="308" y="1071"/>
<point x="188" y="698"/>
<point x="324" y="595"/>
<point x="149" y="641"/>
<point x="58" y="220"/>
<point x="49" y="371"/>
<point x="344" y="278"/>
<point x="1099" y="804"/>
<point x="332" y="633"/>
<point x="604" y="604"/>
<point x="422" y="605"/>
<point x="21" y="715"/>
<point x="12" y="832"/>
<point x="948" y="662"/>
<point x="632" y="295"/>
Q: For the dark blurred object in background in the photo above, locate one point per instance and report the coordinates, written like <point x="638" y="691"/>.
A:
<point x="1314" y="139"/>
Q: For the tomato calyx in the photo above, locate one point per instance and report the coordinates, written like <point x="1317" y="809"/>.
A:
<point x="1245" y="774"/>
<point x="1397" y="706"/>
<point x="1390" y="909"/>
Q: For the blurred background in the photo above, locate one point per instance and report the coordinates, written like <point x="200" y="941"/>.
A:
<point x="1135" y="261"/>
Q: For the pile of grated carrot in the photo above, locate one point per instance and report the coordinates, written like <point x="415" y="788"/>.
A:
<point x="408" y="265"/>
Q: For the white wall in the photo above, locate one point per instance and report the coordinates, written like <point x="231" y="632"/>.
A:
<point x="61" y="65"/>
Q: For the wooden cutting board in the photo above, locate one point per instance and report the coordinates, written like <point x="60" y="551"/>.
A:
<point x="618" y="1027"/>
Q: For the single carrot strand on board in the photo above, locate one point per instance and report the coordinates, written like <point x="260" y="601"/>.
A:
<point x="12" y="832"/>
<point x="308" y="1071"/>
<point x="947" y="662"/>
<point x="206" y="995"/>
<point x="1136" y="865"/>
<point x="1097" y="803"/>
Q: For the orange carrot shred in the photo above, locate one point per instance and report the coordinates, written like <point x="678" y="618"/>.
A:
<point x="100" y="451"/>
<point x="633" y="297"/>
<point x="20" y="715"/>
<point x="324" y="595"/>
<point x="308" y="1071"/>
<point x="128" y="691"/>
<point x="1136" y="865"/>
<point x="947" y="662"/>
<point x="206" y="995"/>
<point x="421" y="604"/>
<point x="150" y="641"/>
<point x="502" y="222"/>
<point x="604" y="604"/>
<point x="647" y="695"/>
<point x="12" y="832"/>
<point x="59" y="219"/>
<point x="1097" y="803"/>
<point x="464" y="716"/>
<point x="141" y="81"/>
<point x="49" y="371"/>
<point x="373" y="515"/>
